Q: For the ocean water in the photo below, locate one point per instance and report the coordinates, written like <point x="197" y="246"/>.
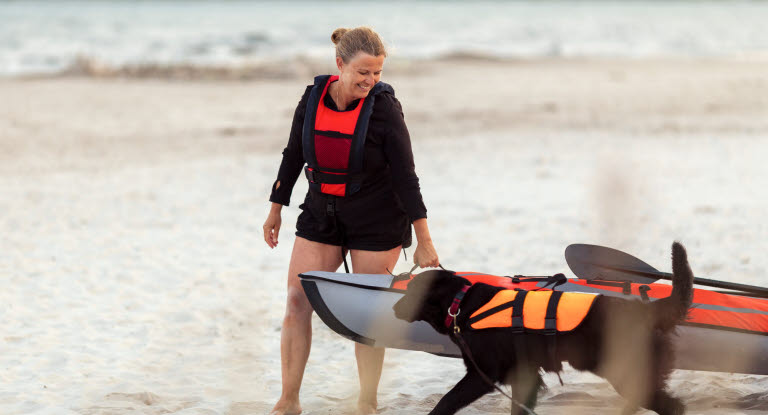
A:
<point x="48" y="36"/>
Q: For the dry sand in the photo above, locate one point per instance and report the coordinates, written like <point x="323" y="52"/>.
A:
<point x="136" y="280"/>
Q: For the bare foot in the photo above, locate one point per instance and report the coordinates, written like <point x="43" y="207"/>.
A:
<point x="366" y="408"/>
<point x="286" y="408"/>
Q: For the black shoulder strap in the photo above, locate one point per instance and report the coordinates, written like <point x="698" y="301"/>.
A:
<point x="382" y="87"/>
<point x="356" y="153"/>
<point x="550" y="320"/>
<point x="517" y="312"/>
<point x="307" y="133"/>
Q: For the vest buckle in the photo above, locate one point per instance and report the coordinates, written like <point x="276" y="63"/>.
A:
<point x="550" y="326"/>
<point x="310" y="175"/>
<point x="517" y="324"/>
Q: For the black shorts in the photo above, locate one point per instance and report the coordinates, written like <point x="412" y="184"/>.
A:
<point x="369" y="223"/>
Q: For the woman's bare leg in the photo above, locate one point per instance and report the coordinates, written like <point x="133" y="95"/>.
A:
<point x="296" y="334"/>
<point x="371" y="359"/>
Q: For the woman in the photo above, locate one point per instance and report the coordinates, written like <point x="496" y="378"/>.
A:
<point x="363" y="196"/>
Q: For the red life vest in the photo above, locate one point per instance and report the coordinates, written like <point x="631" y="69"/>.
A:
<point x="537" y="311"/>
<point x="334" y="141"/>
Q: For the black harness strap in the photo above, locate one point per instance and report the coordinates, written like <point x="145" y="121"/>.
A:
<point x="517" y="312"/>
<point x="644" y="292"/>
<point x="550" y="319"/>
<point x="330" y="210"/>
<point x="555" y="280"/>
<point x="493" y="310"/>
<point x="550" y="326"/>
<point x="344" y="259"/>
<point x="315" y="176"/>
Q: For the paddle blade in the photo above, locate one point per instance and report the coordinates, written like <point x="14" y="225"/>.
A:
<point x="598" y="262"/>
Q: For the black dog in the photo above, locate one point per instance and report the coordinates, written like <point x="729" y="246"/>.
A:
<point x="624" y="341"/>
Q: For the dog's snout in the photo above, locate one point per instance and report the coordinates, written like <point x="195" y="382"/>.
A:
<point x="402" y="310"/>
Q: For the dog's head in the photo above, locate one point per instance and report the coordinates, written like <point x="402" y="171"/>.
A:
<point x="428" y="298"/>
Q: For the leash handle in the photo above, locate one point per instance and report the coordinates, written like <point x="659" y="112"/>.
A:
<point x="439" y="265"/>
<point x="405" y="275"/>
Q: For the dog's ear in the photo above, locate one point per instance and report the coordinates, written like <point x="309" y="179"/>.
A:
<point x="426" y="294"/>
<point x="427" y="282"/>
<point x="418" y="295"/>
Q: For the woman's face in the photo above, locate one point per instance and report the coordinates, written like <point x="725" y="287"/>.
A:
<point x="360" y="74"/>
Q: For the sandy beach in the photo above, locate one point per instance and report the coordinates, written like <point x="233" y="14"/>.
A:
<point x="136" y="279"/>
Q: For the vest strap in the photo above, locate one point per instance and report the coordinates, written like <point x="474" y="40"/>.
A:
<point x="550" y="320"/>
<point x="517" y="312"/>
<point x="644" y="292"/>
<point x="556" y="280"/>
<point x="315" y="176"/>
<point x="498" y="308"/>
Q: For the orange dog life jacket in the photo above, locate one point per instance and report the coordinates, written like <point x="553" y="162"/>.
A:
<point x="545" y="311"/>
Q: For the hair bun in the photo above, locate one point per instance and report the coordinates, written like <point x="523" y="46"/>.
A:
<point x="337" y="34"/>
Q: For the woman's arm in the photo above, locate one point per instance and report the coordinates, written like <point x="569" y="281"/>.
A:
<point x="425" y="254"/>
<point x="290" y="169"/>
<point x="272" y="225"/>
<point x="397" y="148"/>
<point x="399" y="154"/>
<point x="293" y="157"/>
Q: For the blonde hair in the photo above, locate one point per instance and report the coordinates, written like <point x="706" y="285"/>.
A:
<point x="360" y="39"/>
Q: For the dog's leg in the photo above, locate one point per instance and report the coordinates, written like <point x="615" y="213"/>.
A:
<point x="665" y="404"/>
<point x="642" y="381"/>
<point x="469" y="389"/>
<point x="630" y="383"/>
<point x="526" y="382"/>
<point x="659" y="400"/>
<point x="650" y="395"/>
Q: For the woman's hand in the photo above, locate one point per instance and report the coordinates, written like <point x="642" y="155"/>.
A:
<point x="272" y="225"/>
<point x="426" y="255"/>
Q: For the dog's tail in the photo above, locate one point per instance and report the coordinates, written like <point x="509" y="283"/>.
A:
<point x="673" y="310"/>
